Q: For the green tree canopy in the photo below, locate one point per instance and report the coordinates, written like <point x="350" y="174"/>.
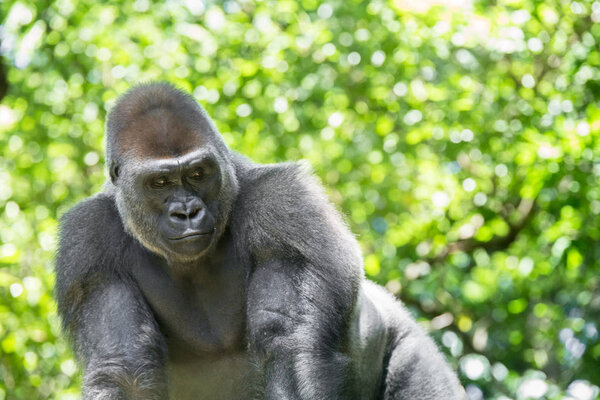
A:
<point x="461" y="142"/>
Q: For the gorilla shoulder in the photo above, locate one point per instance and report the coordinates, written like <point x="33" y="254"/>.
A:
<point x="92" y="243"/>
<point x="96" y="245"/>
<point x="284" y="207"/>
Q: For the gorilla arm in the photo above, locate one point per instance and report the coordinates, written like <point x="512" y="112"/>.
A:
<point x="306" y="271"/>
<point x="113" y="330"/>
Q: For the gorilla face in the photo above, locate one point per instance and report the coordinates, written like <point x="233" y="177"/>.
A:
<point x="181" y="193"/>
<point x="172" y="190"/>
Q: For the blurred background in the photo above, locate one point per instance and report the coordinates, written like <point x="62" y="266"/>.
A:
<point x="459" y="138"/>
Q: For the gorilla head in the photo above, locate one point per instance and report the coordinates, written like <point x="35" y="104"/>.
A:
<point x="171" y="172"/>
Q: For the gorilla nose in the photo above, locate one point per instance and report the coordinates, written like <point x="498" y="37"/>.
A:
<point x="183" y="214"/>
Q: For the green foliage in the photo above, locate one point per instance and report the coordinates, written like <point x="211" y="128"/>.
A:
<point x="462" y="144"/>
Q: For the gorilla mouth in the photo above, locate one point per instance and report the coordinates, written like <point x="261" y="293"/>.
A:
<point x="191" y="235"/>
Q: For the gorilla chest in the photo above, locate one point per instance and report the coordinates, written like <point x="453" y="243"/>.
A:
<point x="210" y="318"/>
<point x="201" y="313"/>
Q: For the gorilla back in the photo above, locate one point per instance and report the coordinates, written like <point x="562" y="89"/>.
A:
<point x="198" y="274"/>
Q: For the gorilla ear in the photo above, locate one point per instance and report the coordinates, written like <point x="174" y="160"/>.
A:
<point x="114" y="172"/>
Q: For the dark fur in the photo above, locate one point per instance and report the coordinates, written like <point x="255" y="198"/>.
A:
<point x="276" y="307"/>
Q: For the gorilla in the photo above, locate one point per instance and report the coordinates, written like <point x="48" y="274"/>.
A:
<point x="198" y="274"/>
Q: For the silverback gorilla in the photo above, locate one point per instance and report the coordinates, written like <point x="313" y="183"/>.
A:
<point x="198" y="274"/>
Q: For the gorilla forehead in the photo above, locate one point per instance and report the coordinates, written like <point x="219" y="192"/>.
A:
<point x="160" y="133"/>
<point x="157" y="120"/>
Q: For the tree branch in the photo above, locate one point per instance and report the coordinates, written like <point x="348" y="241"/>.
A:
<point x="3" y="80"/>
<point x="526" y="208"/>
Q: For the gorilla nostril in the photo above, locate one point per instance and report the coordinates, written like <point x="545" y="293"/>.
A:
<point x="194" y="213"/>
<point x="179" y="216"/>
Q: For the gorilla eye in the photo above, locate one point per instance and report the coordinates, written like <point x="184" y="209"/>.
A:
<point x="159" y="182"/>
<point x="197" y="174"/>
